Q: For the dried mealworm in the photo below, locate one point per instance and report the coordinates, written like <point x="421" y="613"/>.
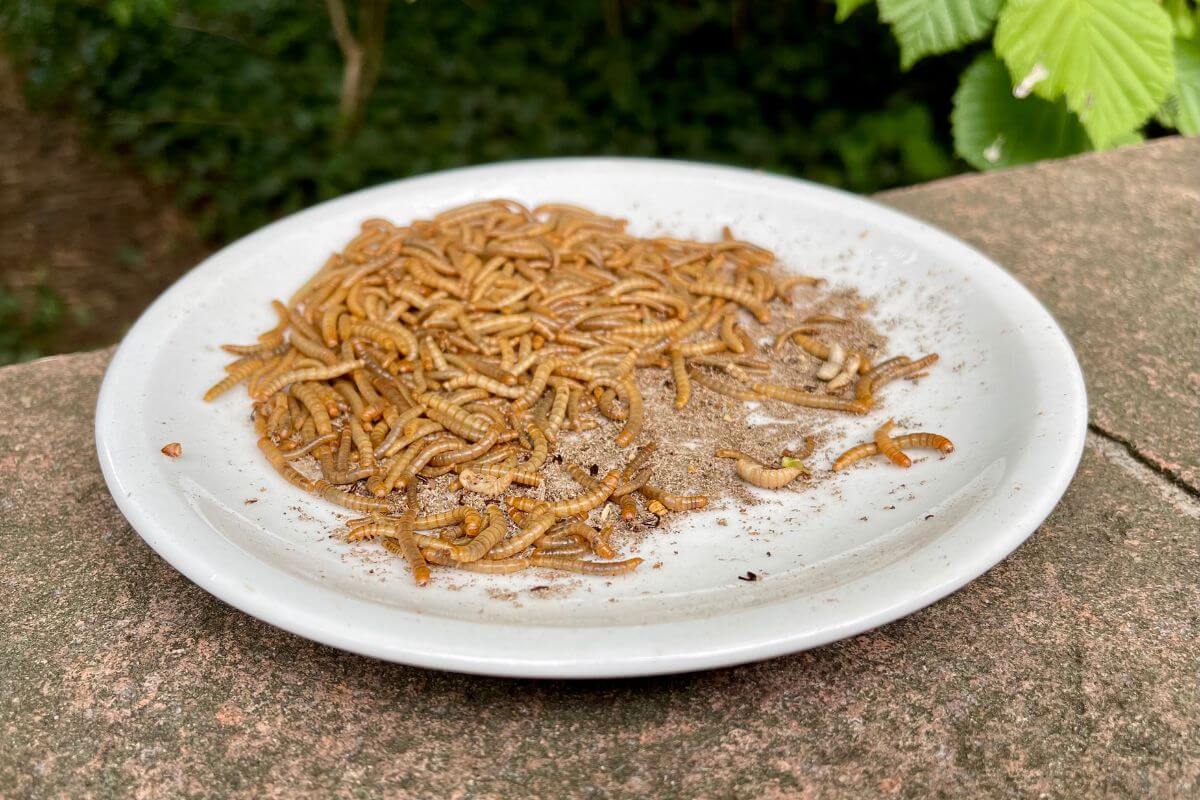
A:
<point x="488" y="567"/>
<point x="930" y="441"/>
<point x="674" y="502"/>
<point x="538" y="523"/>
<point x="577" y="565"/>
<point x="809" y="399"/>
<point x="739" y="295"/>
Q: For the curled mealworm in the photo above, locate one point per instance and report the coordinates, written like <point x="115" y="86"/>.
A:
<point x="888" y="447"/>
<point x="767" y="477"/>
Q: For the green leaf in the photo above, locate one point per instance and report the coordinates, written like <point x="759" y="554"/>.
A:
<point x="1110" y="58"/>
<point x="1125" y="139"/>
<point x="994" y="129"/>
<point x="847" y="7"/>
<point x="926" y="27"/>
<point x="1181" y="109"/>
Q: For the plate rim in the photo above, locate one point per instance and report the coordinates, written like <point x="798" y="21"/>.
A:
<point x="274" y="611"/>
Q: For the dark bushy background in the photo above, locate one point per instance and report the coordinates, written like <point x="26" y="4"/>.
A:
<point x="233" y="103"/>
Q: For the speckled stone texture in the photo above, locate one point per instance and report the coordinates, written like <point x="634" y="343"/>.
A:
<point x="1070" y="670"/>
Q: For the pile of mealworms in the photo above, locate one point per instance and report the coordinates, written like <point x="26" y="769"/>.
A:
<point x="470" y="344"/>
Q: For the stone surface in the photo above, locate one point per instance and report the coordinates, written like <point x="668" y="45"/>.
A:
<point x="1068" y="670"/>
<point x="1111" y="244"/>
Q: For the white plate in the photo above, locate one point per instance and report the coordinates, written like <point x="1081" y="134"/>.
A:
<point x="1008" y="391"/>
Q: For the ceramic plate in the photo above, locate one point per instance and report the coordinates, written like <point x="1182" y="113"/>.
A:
<point x="870" y="546"/>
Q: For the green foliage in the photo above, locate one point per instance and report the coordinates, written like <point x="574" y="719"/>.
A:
<point x="927" y="27"/>
<point x="992" y="128"/>
<point x="1111" y="59"/>
<point x="234" y="103"/>
<point x="1182" y="107"/>
<point x="29" y="322"/>
<point x="1100" y="69"/>
<point x="847" y="7"/>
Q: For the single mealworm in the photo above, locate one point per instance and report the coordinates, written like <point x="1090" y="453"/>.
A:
<point x="674" y="502"/>
<point x="930" y="441"/>
<point x="569" y="564"/>
<point x="887" y="446"/>
<point x="720" y="387"/>
<point x="728" y="335"/>
<point x="316" y="373"/>
<point x="726" y="452"/>
<point x="633" y="425"/>
<point x="484" y="382"/>
<point x="240" y="373"/>
<point x="573" y="549"/>
<point x="767" y="477"/>
<point x="809" y="399"/>
<point x="464" y="454"/>
<point x="558" y="411"/>
<point x="540" y="447"/>
<point x="505" y="567"/>
<point x="903" y="370"/>
<point x="856" y="453"/>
